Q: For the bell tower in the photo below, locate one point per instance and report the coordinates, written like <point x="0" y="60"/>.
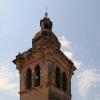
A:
<point x="45" y="72"/>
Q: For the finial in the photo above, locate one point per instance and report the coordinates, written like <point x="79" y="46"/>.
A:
<point x="46" y="13"/>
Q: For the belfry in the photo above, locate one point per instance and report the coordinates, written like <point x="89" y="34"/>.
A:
<point x="45" y="72"/>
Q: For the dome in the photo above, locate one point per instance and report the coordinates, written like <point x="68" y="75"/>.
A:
<point x="46" y="29"/>
<point x="46" y="33"/>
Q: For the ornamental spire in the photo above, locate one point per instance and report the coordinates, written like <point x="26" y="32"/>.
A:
<point x="46" y="13"/>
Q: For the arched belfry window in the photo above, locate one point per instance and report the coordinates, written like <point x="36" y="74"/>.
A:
<point x="37" y="76"/>
<point x="28" y="79"/>
<point x="58" y="77"/>
<point x="64" y="82"/>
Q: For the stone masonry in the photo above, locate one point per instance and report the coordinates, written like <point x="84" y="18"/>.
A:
<point x="46" y="54"/>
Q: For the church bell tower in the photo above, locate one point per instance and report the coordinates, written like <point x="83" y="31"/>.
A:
<point x="45" y="72"/>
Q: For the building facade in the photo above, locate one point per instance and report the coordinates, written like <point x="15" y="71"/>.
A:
<point x="45" y="72"/>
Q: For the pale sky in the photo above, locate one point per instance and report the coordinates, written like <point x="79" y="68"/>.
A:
<point x="77" y="25"/>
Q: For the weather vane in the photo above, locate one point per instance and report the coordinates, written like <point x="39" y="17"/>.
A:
<point x="46" y="13"/>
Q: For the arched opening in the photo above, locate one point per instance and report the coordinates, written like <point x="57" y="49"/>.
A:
<point x="58" y="77"/>
<point x="64" y="82"/>
<point x="46" y="25"/>
<point x="37" y="76"/>
<point x="28" y="79"/>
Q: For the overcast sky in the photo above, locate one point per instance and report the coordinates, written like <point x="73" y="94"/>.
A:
<point x="77" y="25"/>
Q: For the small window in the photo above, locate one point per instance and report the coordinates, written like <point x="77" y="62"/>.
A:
<point x="58" y="77"/>
<point x="46" y="25"/>
<point x="28" y="79"/>
<point x="37" y="76"/>
<point x="64" y="82"/>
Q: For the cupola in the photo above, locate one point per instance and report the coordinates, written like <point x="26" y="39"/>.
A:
<point x="45" y="23"/>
